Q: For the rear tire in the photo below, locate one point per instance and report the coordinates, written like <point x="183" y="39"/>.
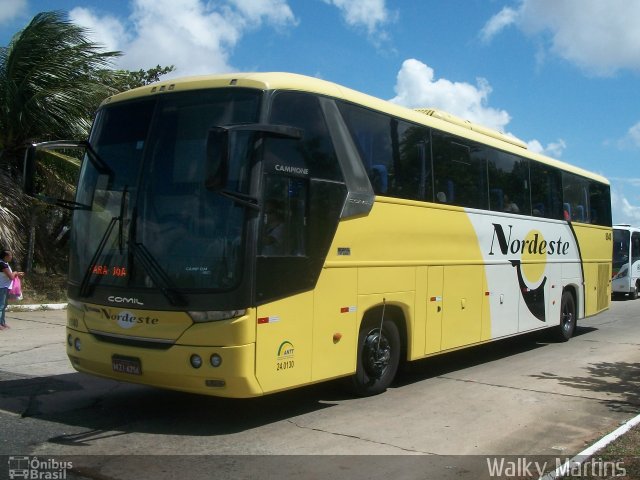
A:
<point x="565" y="330"/>
<point x="378" y="359"/>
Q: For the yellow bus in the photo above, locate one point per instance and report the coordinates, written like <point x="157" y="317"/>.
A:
<point x="242" y="234"/>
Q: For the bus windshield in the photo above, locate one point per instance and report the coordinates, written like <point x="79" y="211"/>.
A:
<point x="151" y="222"/>
<point x="620" y="249"/>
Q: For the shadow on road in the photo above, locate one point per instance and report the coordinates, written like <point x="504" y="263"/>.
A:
<point x="458" y="360"/>
<point x="102" y="408"/>
<point x="619" y="379"/>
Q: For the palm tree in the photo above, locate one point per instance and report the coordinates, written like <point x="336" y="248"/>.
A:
<point x="52" y="78"/>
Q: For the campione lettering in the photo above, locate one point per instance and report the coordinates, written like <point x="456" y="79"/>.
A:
<point x="291" y="169"/>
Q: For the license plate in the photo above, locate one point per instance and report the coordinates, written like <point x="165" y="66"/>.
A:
<point x="128" y="365"/>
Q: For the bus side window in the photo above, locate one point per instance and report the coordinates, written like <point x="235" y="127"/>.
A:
<point x="508" y="183"/>
<point x="546" y="191"/>
<point x="283" y="229"/>
<point x="459" y="168"/>
<point x="600" y="204"/>
<point x="371" y="133"/>
<point x="576" y="196"/>
<point x="635" y="247"/>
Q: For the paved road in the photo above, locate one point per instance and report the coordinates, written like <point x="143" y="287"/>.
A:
<point x="443" y="418"/>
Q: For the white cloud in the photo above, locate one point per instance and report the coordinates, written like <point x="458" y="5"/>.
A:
<point x="108" y="31"/>
<point x="621" y="208"/>
<point x="599" y="37"/>
<point x="10" y="9"/>
<point x="275" y="12"/>
<point x="634" y="134"/>
<point x="630" y="141"/>
<point x="553" y="149"/>
<point x="507" y="16"/>
<point x="417" y="87"/>
<point x="370" y="14"/>
<point x="194" y="35"/>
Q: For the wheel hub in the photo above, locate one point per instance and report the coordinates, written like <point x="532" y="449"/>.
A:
<point x="376" y="354"/>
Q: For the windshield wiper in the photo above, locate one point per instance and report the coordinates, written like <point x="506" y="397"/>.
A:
<point x="84" y="285"/>
<point x="157" y="274"/>
<point x="151" y="265"/>
<point x="241" y="198"/>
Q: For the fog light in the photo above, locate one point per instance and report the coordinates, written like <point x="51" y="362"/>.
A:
<point x="196" y="361"/>
<point x="216" y="360"/>
<point x="70" y="340"/>
<point x="78" y="344"/>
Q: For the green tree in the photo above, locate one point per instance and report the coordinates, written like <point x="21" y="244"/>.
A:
<point x="51" y="81"/>
<point x="129" y="79"/>
<point x="52" y="78"/>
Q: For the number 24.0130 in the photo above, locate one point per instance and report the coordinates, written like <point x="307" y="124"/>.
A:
<point x="287" y="364"/>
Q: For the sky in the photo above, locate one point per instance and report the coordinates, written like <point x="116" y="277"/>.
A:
<point x="561" y="75"/>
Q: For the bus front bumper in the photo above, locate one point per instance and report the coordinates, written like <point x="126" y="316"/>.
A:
<point x="174" y="368"/>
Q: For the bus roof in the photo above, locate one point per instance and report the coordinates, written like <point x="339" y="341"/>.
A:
<point x="290" y="81"/>
<point x="625" y="226"/>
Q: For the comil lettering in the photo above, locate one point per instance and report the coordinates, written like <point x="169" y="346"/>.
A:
<point x="124" y="300"/>
<point x="535" y="246"/>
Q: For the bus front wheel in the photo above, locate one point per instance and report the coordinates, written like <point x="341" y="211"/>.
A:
<point x="378" y="359"/>
<point x="567" y="326"/>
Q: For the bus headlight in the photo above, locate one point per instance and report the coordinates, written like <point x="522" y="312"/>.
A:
<point x="216" y="360"/>
<point x="215" y="315"/>
<point x="196" y="361"/>
<point x="622" y="273"/>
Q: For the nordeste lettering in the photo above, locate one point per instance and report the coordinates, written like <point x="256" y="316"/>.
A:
<point x="533" y="247"/>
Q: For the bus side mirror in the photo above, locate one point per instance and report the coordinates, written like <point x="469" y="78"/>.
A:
<point x="218" y="148"/>
<point x="36" y="184"/>
<point x="217" y="160"/>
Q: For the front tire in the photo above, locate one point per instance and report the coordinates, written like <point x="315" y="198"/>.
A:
<point x="378" y="359"/>
<point x="565" y="330"/>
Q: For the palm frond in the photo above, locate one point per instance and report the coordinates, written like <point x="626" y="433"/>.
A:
<point x="13" y="207"/>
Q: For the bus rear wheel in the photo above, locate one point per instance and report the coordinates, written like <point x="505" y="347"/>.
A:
<point x="567" y="326"/>
<point x="378" y="359"/>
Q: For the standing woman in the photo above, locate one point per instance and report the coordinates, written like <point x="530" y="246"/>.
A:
<point x="6" y="278"/>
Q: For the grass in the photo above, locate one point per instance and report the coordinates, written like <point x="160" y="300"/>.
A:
<point x="39" y="288"/>
<point x="624" y="452"/>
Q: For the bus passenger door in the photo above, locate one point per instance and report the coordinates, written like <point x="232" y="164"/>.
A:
<point x="335" y="324"/>
<point x="283" y="342"/>
<point x="462" y="299"/>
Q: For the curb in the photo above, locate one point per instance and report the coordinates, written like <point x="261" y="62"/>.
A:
<point x="587" y="453"/>
<point x="32" y="308"/>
